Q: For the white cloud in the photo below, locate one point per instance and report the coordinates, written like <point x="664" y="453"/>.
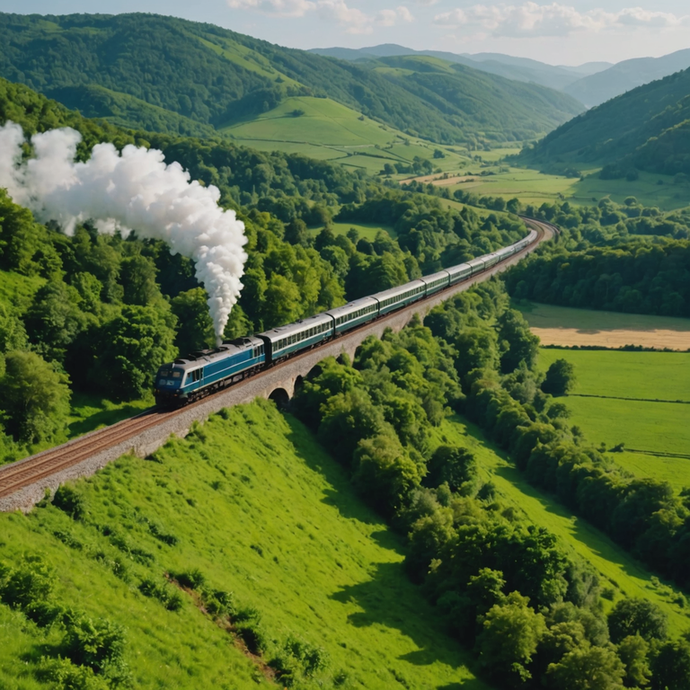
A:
<point x="392" y="17"/>
<point x="352" y="19"/>
<point x="279" y="8"/>
<point x="531" y="19"/>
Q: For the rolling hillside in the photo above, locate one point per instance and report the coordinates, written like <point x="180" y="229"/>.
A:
<point x="595" y="89"/>
<point x="646" y="127"/>
<point x="519" y="69"/>
<point x="213" y="76"/>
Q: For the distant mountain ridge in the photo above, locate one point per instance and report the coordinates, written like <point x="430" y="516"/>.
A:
<point x="134" y="68"/>
<point x="592" y="83"/>
<point x="518" y="69"/>
<point x="595" y="89"/>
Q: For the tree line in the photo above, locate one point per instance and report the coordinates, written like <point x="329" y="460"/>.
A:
<point x="529" y="609"/>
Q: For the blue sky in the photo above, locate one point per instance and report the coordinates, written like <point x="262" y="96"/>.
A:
<point x="568" y="32"/>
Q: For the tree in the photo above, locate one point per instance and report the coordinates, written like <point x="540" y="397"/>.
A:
<point x="517" y="341"/>
<point x="587" y="668"/>
<point x="671" y="667"/>
<point x="384" y="474"/>
<point x="633" y="651"/>
<point x="130" y="348"/>
<point x="35" y="398"/>
<point x="451" y="464"/>
<point x="560" y="378"/>
<point x="510" y="634"/>
<point x="195" y="326"/>
<point x="54" y="320"/>
<point x="632" y="616"/>
<point x="138" y="278"/>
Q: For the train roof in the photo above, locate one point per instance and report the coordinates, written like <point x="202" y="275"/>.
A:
<point x="394" y="292"/>
<point x="228" y="348"/>
<point x="353" y="306"/>
<point x="435" y="276"/>
<point x="297" y="326"/>
<point x="458" y="268"/>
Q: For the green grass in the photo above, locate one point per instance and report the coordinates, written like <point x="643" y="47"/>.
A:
<point x="331" y="131"/>
<point x="641" y="375"/>
<point x="264" y="512"/>
<point x="549" y="316"/>
<point x="366" y="230"/>
<point x="615" y="566"/>
<point x="632" y="380"/>
<point x="91" y="412"/>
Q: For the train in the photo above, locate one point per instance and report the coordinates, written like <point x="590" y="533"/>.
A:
<point x="206" y="371"/>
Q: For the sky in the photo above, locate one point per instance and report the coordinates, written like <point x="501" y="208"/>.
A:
<point x="567" y="33"/>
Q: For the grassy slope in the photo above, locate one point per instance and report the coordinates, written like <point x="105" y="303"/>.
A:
<point x="658" y="427"/>
<point x="261" y="510"/>
<point x="330" y="130"/>
<point x="618" y="570"/>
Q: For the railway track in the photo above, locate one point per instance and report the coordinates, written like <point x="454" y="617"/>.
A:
<point x="37" y="468"/>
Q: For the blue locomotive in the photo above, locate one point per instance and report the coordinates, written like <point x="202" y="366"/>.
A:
<point x="206" y="371"/>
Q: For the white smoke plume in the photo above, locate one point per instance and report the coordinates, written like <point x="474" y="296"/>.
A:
<point x="133" y="190"/>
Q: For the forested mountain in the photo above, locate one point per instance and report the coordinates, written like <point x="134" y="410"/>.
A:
<point x="519" y="69"/>
<point x="646" y="128"/>
<point x="213" y="76"/>
<point x="597" y="88"/>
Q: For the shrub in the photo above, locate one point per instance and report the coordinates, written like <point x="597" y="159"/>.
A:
<point x="93" y="642"/>
<point x="69" y="501"/>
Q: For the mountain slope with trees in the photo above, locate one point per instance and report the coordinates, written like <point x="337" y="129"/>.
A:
<point x="213" y="76"/>
<point x="635" y="129"/>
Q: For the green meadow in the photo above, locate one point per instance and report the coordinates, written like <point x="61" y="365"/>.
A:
<point x="617" y="569"/>
<point x="323" y="129"/>
<point x="365" y="230"/>
<point x="640" y="399"/>
<point x="256" y="505"/>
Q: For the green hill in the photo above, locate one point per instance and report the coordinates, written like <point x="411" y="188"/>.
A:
<point x="645" y="127"/>
<point x="267" y="516"/>
<point x="214" y="76"/>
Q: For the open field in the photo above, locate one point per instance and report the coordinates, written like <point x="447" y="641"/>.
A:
<point x="256" y="505"/>
<point x="616" y="567"/>
<point x="366" y="230"/>
<point x="618" y="399"/>
<point x="330" y="131"/>
<point x="567" y="327"/>
<point x="534" y="187"/>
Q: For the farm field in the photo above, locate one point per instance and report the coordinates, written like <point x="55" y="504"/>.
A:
<point x="262" y="511"/>
<point x="617" y="568"/>
<point x="567" y="326"/>
<point x="330" y="131"/>
<point x="633" y="381"/>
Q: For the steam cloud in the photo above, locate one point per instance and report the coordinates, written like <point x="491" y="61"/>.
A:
<point x="135" y="190"/>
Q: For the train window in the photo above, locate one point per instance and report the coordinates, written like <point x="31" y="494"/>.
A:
<point x="176" y="374"/>
<point x="196" y="375"/>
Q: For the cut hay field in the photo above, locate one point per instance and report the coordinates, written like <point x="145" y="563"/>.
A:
<point x="255" y="504"/>
<point x="630" y="398"/>
<point x="566" y="326"/>
<point x="618" y="570"/>
<point x="323" y="129"/>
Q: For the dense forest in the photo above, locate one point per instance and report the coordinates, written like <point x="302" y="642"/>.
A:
<point x="615" y="257"/>
<point x="206" y="75"/>
<point x="530" y="610"/>
<point x="645" y="128"/>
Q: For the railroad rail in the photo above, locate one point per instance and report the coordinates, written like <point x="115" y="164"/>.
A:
<point x="25" y="482"/>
